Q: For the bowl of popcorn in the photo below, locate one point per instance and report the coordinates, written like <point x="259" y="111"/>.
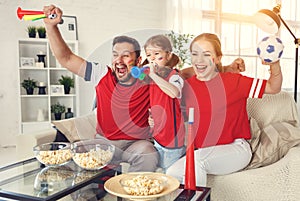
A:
<point x="53" y="154"/>
<point x="92" y="154"/>
<point x="147" y="184"/>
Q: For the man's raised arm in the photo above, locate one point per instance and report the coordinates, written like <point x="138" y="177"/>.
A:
<point x="58" y="46"/>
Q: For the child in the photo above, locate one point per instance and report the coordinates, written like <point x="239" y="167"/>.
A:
<point x="220" y="123"/>
<point x="165" y="94"/>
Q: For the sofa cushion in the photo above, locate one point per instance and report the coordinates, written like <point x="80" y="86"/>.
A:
<point x="78" y="128"/>
<point x="272" y="108"/>
<point x="272" y="143"/>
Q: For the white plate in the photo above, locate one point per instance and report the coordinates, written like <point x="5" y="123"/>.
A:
<point x="114" y="187"/>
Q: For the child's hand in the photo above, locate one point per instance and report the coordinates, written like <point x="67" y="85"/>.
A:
<point x="152" y="67"/>
<point x="150" y="120"/>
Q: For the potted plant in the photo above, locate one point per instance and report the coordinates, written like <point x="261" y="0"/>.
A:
<point x="41" y="31"/>
<point x="31" y="31"/>
<point x="29" y="85"/>
<point x="57" y="109"/>
<point x="181" y="47"/>
<point x="68" y="83"/>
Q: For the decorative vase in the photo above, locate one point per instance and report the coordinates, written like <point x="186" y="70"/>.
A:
<point x="40" y="115"/>
<point x="41" y="58"/>
<point x="42" y="90"/>
<point x="69" y="114"/>
<point x="57" y="116"/>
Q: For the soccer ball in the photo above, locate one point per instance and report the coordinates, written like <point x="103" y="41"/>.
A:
<point x="270" y="49"/>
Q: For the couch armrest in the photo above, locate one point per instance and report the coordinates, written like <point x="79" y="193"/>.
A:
<point x="26" y="142"/>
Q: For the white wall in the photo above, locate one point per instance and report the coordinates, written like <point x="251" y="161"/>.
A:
<point x="98" y="21"/>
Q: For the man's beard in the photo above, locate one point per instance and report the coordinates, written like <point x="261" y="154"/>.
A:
<point x="125" y="79"/>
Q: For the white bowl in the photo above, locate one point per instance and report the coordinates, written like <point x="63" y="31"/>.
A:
<point x="53" y="154"/>
<point x="92" y="154"/>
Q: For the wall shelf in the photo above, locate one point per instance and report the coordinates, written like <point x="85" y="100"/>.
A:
<point x="31" y="106"/>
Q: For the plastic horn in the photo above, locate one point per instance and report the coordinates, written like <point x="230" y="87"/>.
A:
<point x="21" y="12"/>
<point x="136" y="72"/>
<point x="52" y="16"/>
<point x="33" y="17"/>
<point x="190" y="180"/>
<point x="142" y="76"/>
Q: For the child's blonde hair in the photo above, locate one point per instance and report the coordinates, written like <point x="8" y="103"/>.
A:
<point x="163" y="42"/>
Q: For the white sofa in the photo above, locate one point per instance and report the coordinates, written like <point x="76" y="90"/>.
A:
<point x="274" y="172"/>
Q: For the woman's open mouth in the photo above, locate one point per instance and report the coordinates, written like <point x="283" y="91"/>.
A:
<point x="201" y="68"/>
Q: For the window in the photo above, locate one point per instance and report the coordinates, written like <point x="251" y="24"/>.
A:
<point x="231" y="20"/>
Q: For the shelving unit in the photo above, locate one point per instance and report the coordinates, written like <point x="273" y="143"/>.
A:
<point x="36" y="109"/>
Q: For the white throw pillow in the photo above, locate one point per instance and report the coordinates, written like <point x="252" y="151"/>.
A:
<point x="78" y="128"/>
<point x="272" y="143"/>
<point x="273" y="108"/>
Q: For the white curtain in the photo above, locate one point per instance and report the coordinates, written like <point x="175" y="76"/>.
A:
<point x="183" y="16"/>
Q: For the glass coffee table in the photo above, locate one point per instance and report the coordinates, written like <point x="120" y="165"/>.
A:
<point x="28" y="180"/>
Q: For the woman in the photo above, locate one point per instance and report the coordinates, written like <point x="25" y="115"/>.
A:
<point x="221" y="124"/>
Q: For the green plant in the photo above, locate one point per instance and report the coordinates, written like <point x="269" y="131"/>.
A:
<point x="180" y="46"/>
<point x="29" y="84"/>
<point x="31" y="29"/>
<point x="41" y="30"/>
<point x="58" y="108"/>
<point x="67" y="81"/>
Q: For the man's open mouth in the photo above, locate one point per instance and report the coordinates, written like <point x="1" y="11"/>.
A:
<point x="121" y="70"/>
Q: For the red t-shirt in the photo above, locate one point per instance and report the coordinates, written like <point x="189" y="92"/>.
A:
<point x="168" y="128"/>
<point x="122" y="110"/>
<point x="220" y="114"/>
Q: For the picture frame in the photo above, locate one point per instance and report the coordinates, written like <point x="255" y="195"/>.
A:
<point x="68" y="27"/>
<point x="57" y="90"/>
<point x="27" y="62"/>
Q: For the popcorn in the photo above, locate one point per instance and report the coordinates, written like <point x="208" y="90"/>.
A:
<point x="142" y="185"/>
<point x="93" y="159"/>
<point x="54" y="157"/>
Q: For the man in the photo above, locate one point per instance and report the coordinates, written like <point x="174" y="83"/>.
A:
<point x="122" y="101"/>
